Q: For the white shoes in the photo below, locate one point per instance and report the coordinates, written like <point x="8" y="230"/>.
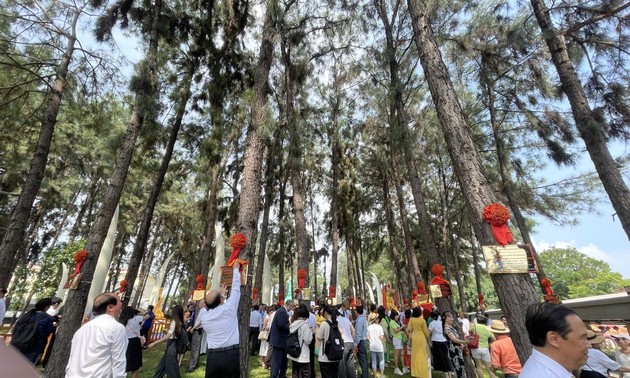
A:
<point x="398" y="372"/>
<point x="405" y="370"/>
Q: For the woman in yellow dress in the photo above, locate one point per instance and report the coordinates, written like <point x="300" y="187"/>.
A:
<point x="418" y="333"/>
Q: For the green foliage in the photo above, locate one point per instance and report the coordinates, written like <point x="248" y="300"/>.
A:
<point x="487" y="288"/>
<point x="574" y="274"/>
<point x="50" y="267"/>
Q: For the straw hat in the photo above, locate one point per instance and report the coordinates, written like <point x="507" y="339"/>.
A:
<point x="373" y="318"/>
<point x="498" y="327"/>
<point x="594" y="338"/>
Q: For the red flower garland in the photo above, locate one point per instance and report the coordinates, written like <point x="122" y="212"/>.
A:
<point x="123" y="286"/>
<point x="199" y="280"/>
<point x="497" y="216"/>
<point x="237" y="242"/>
<point x="480" y="297"/>
<point x="254" y="294"/>
<point x="79" y="257"/>
<point x="547" y="285"/>
<point x="332" y="291"/>
<point x="414" y="294"/>
<point x="301" y="273"/>
<point x="280" y="299"/>
<point x="445" y="286"/>
<point x="420" y="286"/>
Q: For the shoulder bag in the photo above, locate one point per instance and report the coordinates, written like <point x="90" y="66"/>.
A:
<point x="473" y="342"/>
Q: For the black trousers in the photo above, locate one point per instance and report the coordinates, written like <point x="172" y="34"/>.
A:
<point x="168" y="365"/>
<point x="301" y="370"/>
<point x="223" y="364"/>
<point x="144" y="332"/>
<point x="329" y="369"/>
<point x="254" y="343"/>
<point x="279" y="363"/>
<point x="311" y="348"/>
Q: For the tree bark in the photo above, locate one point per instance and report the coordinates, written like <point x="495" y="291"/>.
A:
<point x="506" y="179"/>
<point x="414" y="268"/>
<point x="145" y="225"/>
<point x="75" y="305"/>
<point x="19" y="218"/>
<point x="295" y="161"/>
<point x="144" y="271"/>
<point x="270" y="177"/>
<point x="208" y="239"/>
<point x="515" y="291"/>
<point x="591" y="130"/>
<point x="249" y="201"/>
<point x="391" y="231"/>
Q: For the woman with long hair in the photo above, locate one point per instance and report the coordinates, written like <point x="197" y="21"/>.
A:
<point x="418" y="333"/>
<point x="131" y="319"/>
<point x="455" y="345"/>
<point x="397" y="341"/>
<point x="384" y="321"/>
<point x="439" y="346"/>
<point x="169" y="365"/>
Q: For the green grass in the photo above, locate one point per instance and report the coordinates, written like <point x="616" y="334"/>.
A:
<point x="151" y="357"/>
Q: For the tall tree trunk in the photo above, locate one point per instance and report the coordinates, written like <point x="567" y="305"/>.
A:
<point x="75" y="305"/>
<point x="334" y="203"/>
<point x="177" y="274"/>
<point x="314" y="249"/>
<point x="77" y="299"/>
<point x="506" y="179"/>
<point x="459" y="277"/>
<point x="393" y="237"/>
<point x="144" y="270"/>
<point x="249" y="201"/>
<point x="118" y="254"/>
<point x="515" y="291"/>
<point x="19" y="218"/>
<point x="145" y="225"/>
<point x="208" y="239"/>
<point x="296" y="161"/>
<point x="414" y="268"/>
<point x="272" y="157"/>
<point x="591" y="129"/>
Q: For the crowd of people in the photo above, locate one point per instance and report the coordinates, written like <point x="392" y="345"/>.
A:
<point x="343" y="341"/>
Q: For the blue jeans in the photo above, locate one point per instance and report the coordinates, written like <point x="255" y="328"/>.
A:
<point x="362" y="357"/>
<point x="378" y="360"/>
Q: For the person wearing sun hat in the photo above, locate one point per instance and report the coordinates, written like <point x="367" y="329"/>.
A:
<point x="598" y="364"/>
<point x="502" y="352"/>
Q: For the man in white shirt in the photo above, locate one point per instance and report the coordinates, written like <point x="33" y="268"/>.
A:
<point x="255" y="323"/>
<point x="99" y="346"/>
<point x="346" y="365"/>
<point x="559" y="339"/>
<point x="197" y="338"/>
<point x="3" y="306"/>
<point x="597" y="361"/>
<point x="463" y="319"/>
<point x="220" y="322"/>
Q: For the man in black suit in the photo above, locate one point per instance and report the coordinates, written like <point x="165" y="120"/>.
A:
<point x="278" y="334"/>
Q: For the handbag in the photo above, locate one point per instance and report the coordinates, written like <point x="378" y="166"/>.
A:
<point x="263" y="335"/>
<point x="473" y="341"/>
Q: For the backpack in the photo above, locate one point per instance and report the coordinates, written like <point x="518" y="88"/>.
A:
<point x="24" y="332"/>
<point x="334" y="344"/>
<point x="294" y="347"/>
